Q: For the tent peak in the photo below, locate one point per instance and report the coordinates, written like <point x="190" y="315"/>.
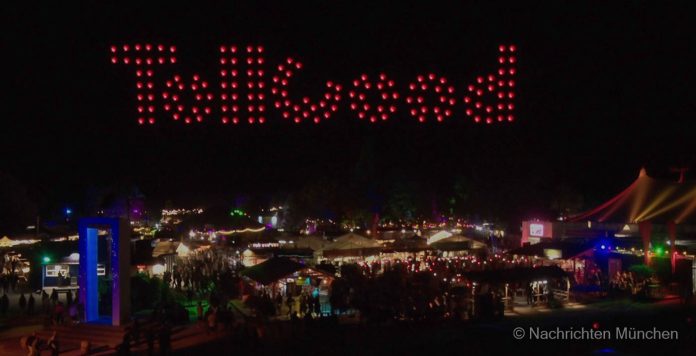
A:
<point x="642" y="173"/>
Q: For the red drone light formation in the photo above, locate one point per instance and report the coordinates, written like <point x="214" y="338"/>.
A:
<point x="247" y="92"/>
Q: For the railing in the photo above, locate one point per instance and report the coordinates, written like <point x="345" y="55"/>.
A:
<point x="560" y="294"/>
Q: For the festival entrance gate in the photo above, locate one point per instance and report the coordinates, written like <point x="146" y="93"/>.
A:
<point x="119" y="260"/>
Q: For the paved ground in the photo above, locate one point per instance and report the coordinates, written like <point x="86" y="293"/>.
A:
<point x="474" y="338"/>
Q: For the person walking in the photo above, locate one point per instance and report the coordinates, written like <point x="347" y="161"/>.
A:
<point x="45" y="304"/>
<point x="58" y="311"/>
<point x="30" y="304"/>
<point x="290" y="302"/>
<point x="22" y="302"/>
<point x="530" y="294"/>
<point x="4" y="304"/>
<point x="54" y="296"/>
<point x="199" y="310"/>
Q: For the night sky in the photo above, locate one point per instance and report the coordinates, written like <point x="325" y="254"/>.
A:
<point x="603" y="89"/>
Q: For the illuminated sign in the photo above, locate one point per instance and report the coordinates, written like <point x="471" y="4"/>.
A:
<point x="536" y="230"/>
<point x="246" y="90"/>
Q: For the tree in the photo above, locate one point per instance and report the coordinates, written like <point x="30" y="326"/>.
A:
<point x="17" y="209"/>
<point x="566" y="201"/>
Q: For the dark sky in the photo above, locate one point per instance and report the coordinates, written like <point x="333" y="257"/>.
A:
<point x="603" y="89"/>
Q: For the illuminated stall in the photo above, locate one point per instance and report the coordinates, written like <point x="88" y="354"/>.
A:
<point x="280" y="275"/>
<point x="64" y="274"/>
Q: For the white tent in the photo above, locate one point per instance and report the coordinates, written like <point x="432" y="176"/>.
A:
<point x="352" y="245"/>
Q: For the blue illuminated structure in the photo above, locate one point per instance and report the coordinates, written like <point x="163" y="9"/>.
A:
<point x="119" y="230"/>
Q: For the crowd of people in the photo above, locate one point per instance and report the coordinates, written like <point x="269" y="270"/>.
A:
<point x="195" y="272"/>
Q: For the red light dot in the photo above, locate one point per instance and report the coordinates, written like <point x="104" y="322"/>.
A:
<point x="513" y="48"/>
<point x="141" y="121"/>
<point x="172" y="49"/>
<point x="151" y="120"/>
<point x="225" y="120"/>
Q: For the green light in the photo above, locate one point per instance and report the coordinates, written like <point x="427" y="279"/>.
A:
<point x="237" y="212"/>
<point x="46" y="259"/>
<point x="659" y="250"/>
